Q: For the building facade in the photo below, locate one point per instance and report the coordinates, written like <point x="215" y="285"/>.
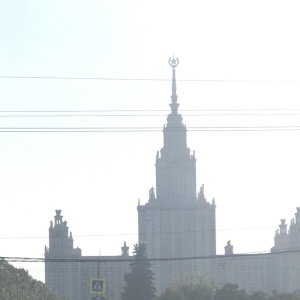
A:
<point x="69" y="273"/>
<point x="178" y="227"/>
<point x="61" y="271"/>
<point x="277" y="270"/>
<point x="176" y="222"/>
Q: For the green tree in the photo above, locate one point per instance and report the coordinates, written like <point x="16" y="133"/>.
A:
<point x="259" y="296"/>
<point x="139" y="281"/>
<point x="285" y="296"/>
<point x="231" y="292"/>
<point x="171" y="294"/>
<point x="18" y="284"/>
<point x="190" y="289"/>
<point x="296" y="295"/>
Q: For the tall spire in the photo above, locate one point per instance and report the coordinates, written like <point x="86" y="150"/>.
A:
<point x="173" y="62"/>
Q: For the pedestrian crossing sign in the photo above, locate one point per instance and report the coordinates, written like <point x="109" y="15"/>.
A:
<point x="97" y="286"/>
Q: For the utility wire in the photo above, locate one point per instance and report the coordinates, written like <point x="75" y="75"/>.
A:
<point x="146" y="79"/>
<point x="121" y="259"/>
<point x="147" y="110"/>
<point x="144" y="129"/>
<point x="134" y="234"/>
<point x="147" y="115"/>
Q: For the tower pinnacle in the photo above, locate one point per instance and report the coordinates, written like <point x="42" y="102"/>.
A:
<point x="173" y="62"/>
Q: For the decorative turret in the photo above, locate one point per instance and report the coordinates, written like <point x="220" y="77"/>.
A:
<point x="201" y="196"/>
<point x="228" y="249"/>
<point x="60" y="242"/>
<point x="281" y="237"/>
<point x="125" y="249"/>
<point x="151" y="194"/>
<point x="282" y="227"/>
<point x="294" y="240"/>
<point x="58" y="275"/>
<point x="288" y="239"/>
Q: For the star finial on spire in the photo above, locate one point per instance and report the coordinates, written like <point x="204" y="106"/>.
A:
<point x="173" y="62"/>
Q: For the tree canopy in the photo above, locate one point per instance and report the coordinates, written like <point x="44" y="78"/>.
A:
<point x="17" y="284"/>
<point x="202" y="289"/>
<point x="139" y="281"/>
<point x="190" y="289"/>
<point x="231" y="292"/>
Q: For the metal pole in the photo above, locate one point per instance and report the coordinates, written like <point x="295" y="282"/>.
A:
<point x="2" y="282"/>
<point x="107" y="293"/>
<point x="17" y="286"/>
<point x="98" y="274"/>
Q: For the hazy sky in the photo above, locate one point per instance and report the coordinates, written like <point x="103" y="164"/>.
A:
<point x="245" y="55"/>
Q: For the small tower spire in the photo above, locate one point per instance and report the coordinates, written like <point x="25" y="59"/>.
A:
<point x="125" y="250"/>
<point x="173" y="62"/>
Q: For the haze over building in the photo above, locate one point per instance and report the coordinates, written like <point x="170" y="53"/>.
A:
<point x="178" y="226"/>
<point x="176" y="222"/>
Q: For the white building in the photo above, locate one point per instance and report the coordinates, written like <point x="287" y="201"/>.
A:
<point x="69" y="273"/>
<point x="176" y="222"/>
<point x="177" y="225"/>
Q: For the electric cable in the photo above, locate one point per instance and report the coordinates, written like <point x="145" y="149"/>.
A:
<point x="121" y="259"/>
<point x="146" y="79"/>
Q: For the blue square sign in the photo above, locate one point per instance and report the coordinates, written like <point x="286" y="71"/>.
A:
<point x="97" y="286"/>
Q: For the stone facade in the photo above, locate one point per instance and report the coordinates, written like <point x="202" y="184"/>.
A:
<point x="69" y="273"/>
<point x="177" y="225"/>
<point x="60" y="273"/>
<point x="176" y="222"/>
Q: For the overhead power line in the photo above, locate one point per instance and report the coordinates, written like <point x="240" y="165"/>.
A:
<point x="146" y="113"/>
<point x="97" y="259"/>
<point x="147" y="79"/>
<point x="144" y="129"/>
<point x="149" y="110"/>
<point x="134" y="234"/>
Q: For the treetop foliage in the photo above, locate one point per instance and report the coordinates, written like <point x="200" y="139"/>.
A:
<point x="17" y="284"/>
<point x="139" y="281"/>
<point x="190" y="288"/>
<point x="202" y="289"/>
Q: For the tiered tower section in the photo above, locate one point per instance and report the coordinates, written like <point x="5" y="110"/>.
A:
<point x="175" y="166"/>
<point x="60" y="274"/>
<point x="176" y="222"/>
<point x="288" y="239"/>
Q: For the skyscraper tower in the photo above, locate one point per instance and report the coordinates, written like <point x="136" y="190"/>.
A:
<point x="176" y="222"/>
